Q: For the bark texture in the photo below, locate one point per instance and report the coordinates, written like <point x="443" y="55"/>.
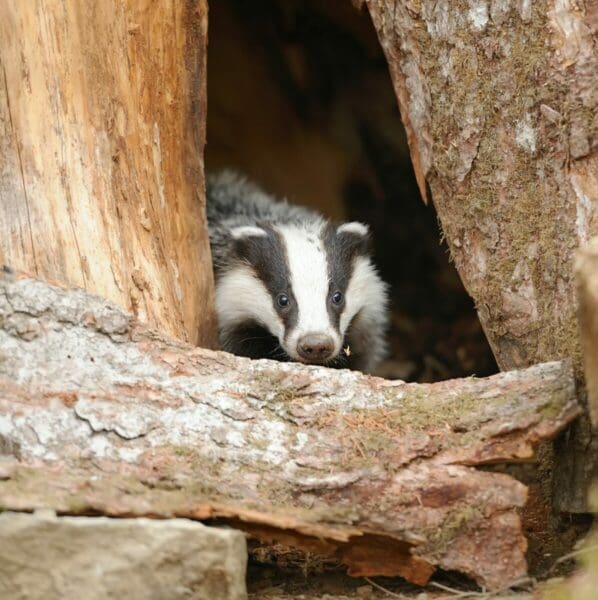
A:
<point x="102" y="130"/>
<point x="499" y="101"/>
<point x="99" y="414"/>
<point x="586" y="269"/>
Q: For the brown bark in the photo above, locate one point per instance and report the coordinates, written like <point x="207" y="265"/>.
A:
<point x="498" y="99"/>
<point x="586" y="270"/>
<point x="102" y="129"/>
<point x="103" y="415"/>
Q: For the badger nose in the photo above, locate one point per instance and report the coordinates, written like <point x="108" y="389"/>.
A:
<point x="315" y="347"/>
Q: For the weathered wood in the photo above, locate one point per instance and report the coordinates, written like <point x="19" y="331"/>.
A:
<point x="586" y="271"/>
<point x="498" y="100"/>
<point x="102" y="129"/>
<point x="103" y="415"/>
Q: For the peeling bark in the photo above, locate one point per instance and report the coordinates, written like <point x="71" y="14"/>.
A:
<point x="99" y="414"/>
<point x="102" y="130"/>
<point x="498" y="99"/>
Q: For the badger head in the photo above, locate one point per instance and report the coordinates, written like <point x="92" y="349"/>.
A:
<point x="296" y="292"/>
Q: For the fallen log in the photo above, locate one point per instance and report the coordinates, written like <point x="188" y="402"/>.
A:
<point x="102" y="415"/>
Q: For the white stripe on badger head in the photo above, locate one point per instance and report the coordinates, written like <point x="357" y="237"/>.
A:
<point x="308" y="270"/>
<point x="241" y="296"/>
<point x="365" y="291"/>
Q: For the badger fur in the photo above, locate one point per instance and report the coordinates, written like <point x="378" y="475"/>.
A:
<point x="291" y="285"/>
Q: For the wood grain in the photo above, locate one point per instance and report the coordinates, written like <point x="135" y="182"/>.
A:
<point x="586" y="272"/>
<point x="102" y="130"/>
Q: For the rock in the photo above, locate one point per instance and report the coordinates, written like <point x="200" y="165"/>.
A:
<point x="69" y="558"/>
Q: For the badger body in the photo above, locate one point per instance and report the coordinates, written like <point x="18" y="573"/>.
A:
<point x="291" y="285"/>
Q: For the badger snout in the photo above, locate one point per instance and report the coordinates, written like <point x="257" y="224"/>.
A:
<point x="315" y="347"/>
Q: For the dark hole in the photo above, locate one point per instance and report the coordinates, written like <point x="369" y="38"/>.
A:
<point x="301" y="101"/>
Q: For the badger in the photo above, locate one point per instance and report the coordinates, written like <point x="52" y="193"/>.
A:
<point x="291" y="285"/>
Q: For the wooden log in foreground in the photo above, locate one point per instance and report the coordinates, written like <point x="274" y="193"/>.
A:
<point x="99" y="414"/>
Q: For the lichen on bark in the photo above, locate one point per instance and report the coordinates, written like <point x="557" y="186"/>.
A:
<point x="497" y="100"/>
<point x="111" y="417"/>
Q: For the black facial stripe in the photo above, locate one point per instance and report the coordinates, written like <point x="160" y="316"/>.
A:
<point x="268" y="258"/>
<point x="341" y="251"/>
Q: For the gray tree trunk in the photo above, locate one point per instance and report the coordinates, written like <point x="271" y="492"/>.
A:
<point x="499" y="99"/>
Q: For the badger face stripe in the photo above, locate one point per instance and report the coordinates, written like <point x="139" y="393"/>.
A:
<point x="309" y="278"/>
<point x="266" y="255"/>
<point x="241" y="296"/>
<point x="343" y="245"/>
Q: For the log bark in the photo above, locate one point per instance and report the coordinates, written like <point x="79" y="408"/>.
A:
<point x="498" y="100"/>
<point x="99" y="414"/>
<point x="102" y="130"/>
<point x="586" y="271"/>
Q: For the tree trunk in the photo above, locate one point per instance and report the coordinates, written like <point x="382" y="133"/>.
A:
<point x="102" y="130"/>
<point x="586" y="270"/>
<point x="112" y="418"/>
<point x="498" y="99"/>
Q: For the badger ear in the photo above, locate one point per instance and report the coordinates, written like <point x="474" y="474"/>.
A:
<point x="355" y="228"/>
<point x="354" y="237"/>
<point x="249" y="242"/>
<point x="247" y="231"/>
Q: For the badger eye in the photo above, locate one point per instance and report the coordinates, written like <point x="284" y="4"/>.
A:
<point x="282" y="300"/>
<point x="337" y="298"/>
